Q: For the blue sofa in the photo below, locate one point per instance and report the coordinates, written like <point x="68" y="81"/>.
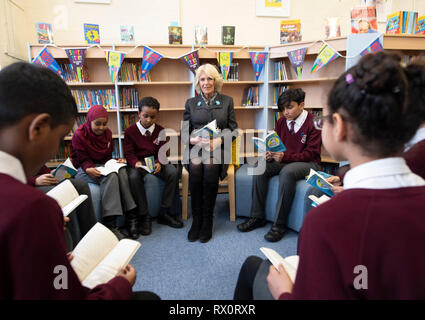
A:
<point x="300" y="206"/>
<point x="153" y="187"/>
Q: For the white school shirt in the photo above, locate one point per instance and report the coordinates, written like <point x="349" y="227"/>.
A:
<point x="387" y="173"/>
<point x="298" y="121"/>
<point x="143" y="130"/>
<point x="12" y="167"/>
<point x="419" y="136"/>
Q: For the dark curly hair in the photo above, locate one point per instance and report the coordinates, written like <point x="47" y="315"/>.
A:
<point x="31" y="89"/>
<point x="289" y="95"/>
<point x="148" y="102"/>
<point x="372" y="96"/>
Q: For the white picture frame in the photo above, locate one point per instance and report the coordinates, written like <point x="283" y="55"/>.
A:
<point x="94" y="1"/>
<point x="272" y="8"/>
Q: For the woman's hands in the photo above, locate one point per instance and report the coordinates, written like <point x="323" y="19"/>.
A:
<point x="93" y="173"/>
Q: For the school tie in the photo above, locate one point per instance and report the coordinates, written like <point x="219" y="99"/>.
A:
<point x="147" y="133"/>
<point x="291" y="127"/>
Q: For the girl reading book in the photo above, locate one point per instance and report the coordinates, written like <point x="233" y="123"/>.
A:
<point x="92" y="147"/>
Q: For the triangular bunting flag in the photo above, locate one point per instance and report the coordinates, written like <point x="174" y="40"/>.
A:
<point x="191" y="60"/>
<point x="46" y="59"/>
<point x="76" y="57"/>
<point x="225" y="60"/>
<point x="115" y="59"/>
<point x="297" y="60"/>
<point x="150" y="58"/>
<point x="258" y="60"/>
<point x="326" y="55"/>
<point x="375" y="46"/>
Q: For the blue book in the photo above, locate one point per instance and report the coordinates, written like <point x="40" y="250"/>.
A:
<point x="318" y="181"/>
<point x="209" y="129"/>
<point x="64" y="171"/>
<point x="271" y="142"/>
<point x="149" y="164"/>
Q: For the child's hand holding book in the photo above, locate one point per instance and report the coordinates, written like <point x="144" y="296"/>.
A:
<point x="129" y="273"/>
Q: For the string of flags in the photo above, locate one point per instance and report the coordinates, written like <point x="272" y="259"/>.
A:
<point x="151" y="57"/>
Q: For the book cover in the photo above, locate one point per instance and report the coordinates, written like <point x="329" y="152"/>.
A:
<point x="420" y="25"/>
<point x="66" y="196"/>
<point x="363" y="20"/>
<point x="64" y="171"/>
<point x="91" y="33"/>
<point x="149" y="164"/>
<point x="209" y="129"/>
<point x="319" y="181"/>
<point x="271" y="142"/>
<point x="332" y="27"/>
<point x="290" y="31"/>
<point x="201" y="35"/>
<point x="175" y="35"/>
<point x="394" y="23"/>
<point x="127" y="34"/>
<point x="228" y="35"/>
<point x="44" y="33"/>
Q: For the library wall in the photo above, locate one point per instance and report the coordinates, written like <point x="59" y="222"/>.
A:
<point x="151" y="19"/>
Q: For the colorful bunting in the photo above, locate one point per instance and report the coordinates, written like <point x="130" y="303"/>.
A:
<point x="258" y="60"/>
<point x="150" y="58"/>
<point x="191" y="59"/>
<point x="76" y="57"/>
<point x="375" y="46"/>
<point x="326" y="55"/>
<point x="114" y="59"/>
<point x="297" y="60"/>
<point x="46" y="59"/>
<point x="224" y="60"/>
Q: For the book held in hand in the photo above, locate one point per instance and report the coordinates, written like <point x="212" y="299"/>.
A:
<point x="64" y="171"/>
<point x="149" y="164"/>
<point x="67" y="196"/>
<point x="318" y="200"/>
<point x="319" y="181"/>
<point x="99" y="256"/>
<point x="209" y="129"/>
<point x="271" y="142"/>
<point x="289" y="263"/>
<point x="110" y="166"/>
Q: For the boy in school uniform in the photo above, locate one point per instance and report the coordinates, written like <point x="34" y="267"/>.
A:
<point x="37" y="110"/>
<point x="144" y="139"/>
<point x="303" y="143"/>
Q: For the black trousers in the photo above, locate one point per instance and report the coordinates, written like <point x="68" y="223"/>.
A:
<point x="168" y="174"/>
<point x="244" y="286"/>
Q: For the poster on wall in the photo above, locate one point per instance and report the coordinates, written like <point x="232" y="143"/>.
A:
<point x="272" y="8"/>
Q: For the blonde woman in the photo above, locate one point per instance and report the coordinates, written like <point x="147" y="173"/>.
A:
<point x="204" y="176"/>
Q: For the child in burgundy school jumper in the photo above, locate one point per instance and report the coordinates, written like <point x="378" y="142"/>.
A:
<point x="82" y="219"/>
<point x="142" y="140"/>
<point x="92" y="146"/>
<point x="303" y="144"/>
<point x="364" y="242"/>
<point x="37" y="110"/>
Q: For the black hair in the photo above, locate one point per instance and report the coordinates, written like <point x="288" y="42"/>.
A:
<point x="31" y="89"/>
<point x="372" y="97"/>
<point x="289" y="95"/>
<point x="148" y="102"/>
<point x="415" y="73"/>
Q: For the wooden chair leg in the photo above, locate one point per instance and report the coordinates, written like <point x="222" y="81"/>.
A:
<point x="185" y="192"/>
<point x="231" y="186"/>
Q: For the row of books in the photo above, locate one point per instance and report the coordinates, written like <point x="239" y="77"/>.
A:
<point x="129" y="98"/>
<point x="70" y="74"/>
<point x="280" y="71"/>
<point x="233" y="72"/>
<point x="64" y="151"/>
<point x="78" y="121"/>
<point x="88" y="98"/>
<point x="128" y="120"/>
<point x="405" y="22"/>
<point x="250" y="97"/>
<point x="406" y="58"/>
<point x="278" y="90"/>
<point x="131" y="71"/>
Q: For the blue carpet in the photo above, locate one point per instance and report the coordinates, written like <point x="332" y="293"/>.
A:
<point x="176" y="269"/>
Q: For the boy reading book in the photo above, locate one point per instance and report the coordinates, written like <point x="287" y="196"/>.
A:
<point x="303" y="142"/>
<point x="91" y="148"/>
<point x="141" y="141"/>
<point x="271" y="143"/>
<point x="37" y="110"/>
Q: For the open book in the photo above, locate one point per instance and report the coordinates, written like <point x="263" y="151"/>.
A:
<point x="64" y="171"/>
<point x="319" y="181"/>
<point x="110" y="166"/>
<point x="99" y="256"/>
<point x="149" y="164"/>
<point x="289" y="263"/>
<point x="318" y="200"/>
<point x="209" y="129"/>
<point x="271" y="142"/>
<point x="67" y="196"/>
